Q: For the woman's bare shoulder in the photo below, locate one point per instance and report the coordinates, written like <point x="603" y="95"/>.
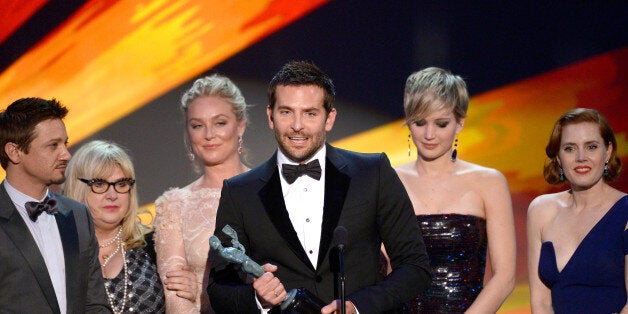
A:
<point x="408" y="167"/>
<point x="546" y="205"/>
<point x="481" y="174"/>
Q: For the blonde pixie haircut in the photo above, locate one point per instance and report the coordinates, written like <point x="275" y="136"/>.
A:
<point x="433" y="89"/>
<point x="98" y="160"/>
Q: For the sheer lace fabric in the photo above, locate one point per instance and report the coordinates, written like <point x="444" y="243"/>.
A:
<point x="184" y="221"/>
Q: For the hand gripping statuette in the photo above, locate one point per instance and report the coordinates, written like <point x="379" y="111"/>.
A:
<point x="298" y="300"/>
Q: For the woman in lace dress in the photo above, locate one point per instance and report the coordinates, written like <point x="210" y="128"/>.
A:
<point x="101" y="175"/>
<point x="461" y="207"/>
<point x="215" y="114"/>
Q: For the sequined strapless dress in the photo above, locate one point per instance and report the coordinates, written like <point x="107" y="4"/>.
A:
<point x="456" y="245"/>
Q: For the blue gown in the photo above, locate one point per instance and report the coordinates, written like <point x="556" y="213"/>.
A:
<point x="593" y="280"/>
<point x="456" y="245"/>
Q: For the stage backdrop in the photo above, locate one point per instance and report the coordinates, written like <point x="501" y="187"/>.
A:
<point x="122" y="66"/>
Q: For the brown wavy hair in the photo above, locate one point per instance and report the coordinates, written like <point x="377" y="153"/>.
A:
<point x="579" y="115"/>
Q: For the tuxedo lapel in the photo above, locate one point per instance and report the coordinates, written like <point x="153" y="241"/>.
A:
<point x="336" y="186"/>
<point x="18" y="232"/>
<point x="69" y="239"/>
<point x="272" y="198"/>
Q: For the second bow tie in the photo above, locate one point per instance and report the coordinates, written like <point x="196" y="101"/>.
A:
<point x="292" y="172"/>
<point x="34" y="209"/>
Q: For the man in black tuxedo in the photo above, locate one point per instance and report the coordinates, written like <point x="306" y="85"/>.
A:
<point x="287" y="221"/>
<point x="48" y="251"/>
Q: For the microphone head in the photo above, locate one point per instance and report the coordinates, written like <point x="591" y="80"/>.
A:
<point x="340" y="237"/>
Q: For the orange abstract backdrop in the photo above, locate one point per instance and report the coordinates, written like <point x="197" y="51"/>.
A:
<point x="110" y="58"/>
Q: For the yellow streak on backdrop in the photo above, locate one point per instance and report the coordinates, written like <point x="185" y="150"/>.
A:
<point x="107" y="61"/>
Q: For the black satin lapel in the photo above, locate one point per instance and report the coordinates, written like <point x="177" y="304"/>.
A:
<point x="21" y="237"/>
<point x="336" y="187"/>
<point x="272" y="198"/>
<point x="69" y="239"/>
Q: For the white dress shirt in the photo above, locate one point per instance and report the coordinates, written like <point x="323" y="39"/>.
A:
<point x="304" y="200"/>
<point x="45" y="232"/>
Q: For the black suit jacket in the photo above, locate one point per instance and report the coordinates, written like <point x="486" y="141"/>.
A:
<point x="363" y="194"/>
<point x="25" y="286"/>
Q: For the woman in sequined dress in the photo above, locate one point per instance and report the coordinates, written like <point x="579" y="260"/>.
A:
<point x="101" y="175"/>
<point x="461" y="207"/>
<point x="215" y="114"/>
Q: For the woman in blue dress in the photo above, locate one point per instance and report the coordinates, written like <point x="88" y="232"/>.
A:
<point x="462" y="208"/>
<point x="577" y="239"/>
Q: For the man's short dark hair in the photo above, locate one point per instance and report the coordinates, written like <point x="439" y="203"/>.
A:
<point x="297" y="73"/>
<point x="18" y="122"/>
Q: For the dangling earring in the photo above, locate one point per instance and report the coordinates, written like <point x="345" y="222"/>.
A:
<point x="188" y="146"/>
<point x="454" y="153"/>
<point x="561" y="174"/>
<point x="240" y="145"/>
<point x="409" y="137"/>
<point x="606" y="169"/>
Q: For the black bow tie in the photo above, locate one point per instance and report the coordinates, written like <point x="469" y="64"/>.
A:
<point x="292" y="172"/>
<point x="34" y="209"/>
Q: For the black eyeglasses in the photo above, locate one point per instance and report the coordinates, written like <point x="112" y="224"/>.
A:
<point x="100" y="186"/>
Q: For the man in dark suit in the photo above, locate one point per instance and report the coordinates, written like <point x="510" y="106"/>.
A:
<point x="286" y="221"/>
<point x="48" y="250"/>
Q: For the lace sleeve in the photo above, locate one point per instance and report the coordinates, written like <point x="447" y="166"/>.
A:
<point x="170" y="249"/>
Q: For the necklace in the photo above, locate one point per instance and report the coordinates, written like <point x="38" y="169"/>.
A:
<point x="106" y="258"/>
<point x="110" y="295"/>
<point x="113" y="240"/>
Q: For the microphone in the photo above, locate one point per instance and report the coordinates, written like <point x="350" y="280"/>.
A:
<point x="339" y="242"/>
<point x="340" y="237"/>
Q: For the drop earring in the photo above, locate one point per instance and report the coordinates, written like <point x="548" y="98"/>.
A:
<point x="606" y="169"/>
<point x="561" y="174"/>
<point x="240" y="145"/>
<point x="454" y="153"/>
<point x="409" y="137"/>
<point x="188" y="146"/>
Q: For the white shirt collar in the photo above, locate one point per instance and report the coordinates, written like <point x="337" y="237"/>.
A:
<point x="18" y="197"/>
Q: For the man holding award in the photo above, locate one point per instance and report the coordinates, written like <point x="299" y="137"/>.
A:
<point x="285" y="211"/>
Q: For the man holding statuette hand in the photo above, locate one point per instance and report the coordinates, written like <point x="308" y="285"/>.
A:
<point x="285" y="211"/>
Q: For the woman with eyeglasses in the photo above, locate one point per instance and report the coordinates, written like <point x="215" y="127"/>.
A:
<point x="102" y="176"/>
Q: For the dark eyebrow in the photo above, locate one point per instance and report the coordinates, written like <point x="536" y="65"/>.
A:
<point x="585" y="143"/>
<point x="57" y="140"/>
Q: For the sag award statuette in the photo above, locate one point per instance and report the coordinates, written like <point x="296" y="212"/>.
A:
<point x="298" y="300"/>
